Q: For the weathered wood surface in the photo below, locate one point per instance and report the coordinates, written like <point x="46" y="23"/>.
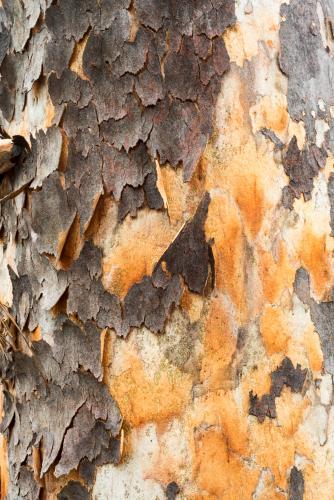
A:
<point x="167" y="248"/>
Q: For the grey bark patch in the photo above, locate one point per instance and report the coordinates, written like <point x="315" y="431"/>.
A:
<point x="172" y="490"/>
<point x="69" y="19"/>
<point x="211" y="19"/>
<point x="181" y="72"/>
<point x="131" y="200"/>
<point x="33" y="9"/>
<point x="300" y="42"/>
<point x="78" y="442"/>
<point x="177" y="135"/>
<point x="134" y="54"/>
<point x="262" y="408"/>
<point x="18" y="22"/>
<point x="88" y="357"/>
<point x="34" y="58"/>
<point x="270" y="134"/>
<point x="87" y="471"/>
<point x="300" y="39"/>
<point x="87" y="296"/>
<point x="203" y="46"/>
<point x="301" y="286"/>
<point x="78" y="165"/>
<point x="152" y="13"/>
<point x="4" y="41"/>
<point x="9" y="411"/>
<point x="296" y="484"/>
<point x="284" y="375"/>
<point x="188" y="255"/>
<point x="287" y="375"/>
<point x="64" y="392"/>
<point x="47" y="284"/>
<point x="48" y="152"/>
<point x="52" y="216"/>
<point x="100" y="402"/>
<point x="153" y="196"/>
<point x="28" y="488"/>
<point x="51" y="420"/>
<point x="149" y="305"/>
<point x="83" y="178"/>
<point x="114" y="64"/>
<point x="53" y="285"/>
<point x="102" y="49"/>
<point x="126" y="132"/>
<point x="86" y="439"/>
<point x="57" y="55"/>
<point x="22" y="298"/>
<point x="110" y="10"/>
<point x="69" y="88"/>
<point x="150" y="301"/>
<point x="322" y="315"/>
<point x="11" y="83"/>
<point x="120" y="169"/>
<point x="81" y="127"/>
<point x="301" y="167"/>
<point x="330" y="190"/>
<point x="73" y="491"/>
<point x="135" y="107"/>
<point x="108" y="43"/>
<point x="150" y="84"/>
<point x="307" y="64"/>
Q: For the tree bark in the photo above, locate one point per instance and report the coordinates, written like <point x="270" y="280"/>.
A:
<point x="166" y="258"/>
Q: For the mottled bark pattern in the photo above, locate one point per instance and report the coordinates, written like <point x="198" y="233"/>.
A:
<point x="145" y="95"/>
<point x="284" y="375"/>
<point x="166" y="249"/>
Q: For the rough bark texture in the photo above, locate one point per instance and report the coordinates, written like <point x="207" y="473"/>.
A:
<point x="167" y="221"/>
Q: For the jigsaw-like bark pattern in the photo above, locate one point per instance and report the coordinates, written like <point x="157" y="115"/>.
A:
<point x="167" y="202"/>
<point x="144" y="96"/>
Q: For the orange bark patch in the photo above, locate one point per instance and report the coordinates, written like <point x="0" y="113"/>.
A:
<point x="276" y="274"/>
<point x="274" y="330"/>
<point x="36" y="334"/>
<point x="172" y="182"/>
<point x="220" y="473"/>
<point x="3" y="467"/>
<point x="171" y="458"/>
<point x="181" y="198"/>
<point x="220" y="410"/>
<point x="49" y="113"/>
<point x="143" y="398"/>
<point x="192" y="303"/>
<point x="272" y="448"/>
<point x="219" y="347"/>
<point x="77" y="57"/>
<point x="71" y="246"/>
<point x="140" y="244"/>
<point x="249" y="196"/>
<point x="290" y="411"/>
<point x="315" y="257"/>
<point x="271" y="112"/>
<point x="224" y="226"/>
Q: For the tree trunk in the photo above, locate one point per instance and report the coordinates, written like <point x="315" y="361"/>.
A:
<point x="166" y="258"/>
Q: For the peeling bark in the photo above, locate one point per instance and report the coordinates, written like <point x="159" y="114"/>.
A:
<point x="166" y="253"/>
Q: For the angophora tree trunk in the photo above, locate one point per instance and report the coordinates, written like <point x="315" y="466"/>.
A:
<point x="168" y="252"/>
